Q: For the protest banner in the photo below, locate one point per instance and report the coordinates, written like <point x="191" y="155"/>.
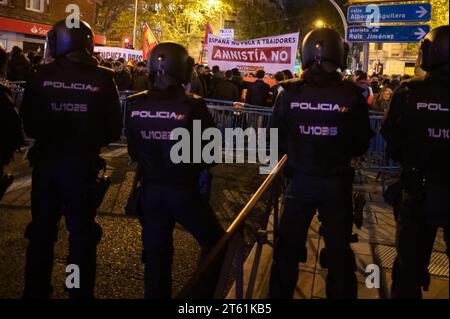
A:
<point x="117" y="53"/>
<point x="271" y="54"/>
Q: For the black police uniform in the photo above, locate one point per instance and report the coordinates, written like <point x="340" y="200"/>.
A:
<point x="322" y="123"/>
<point x="417" y="132"/>
<point x="71" y="108"/>
<point x="170" y="192"/>
<point x="11" y="136"/>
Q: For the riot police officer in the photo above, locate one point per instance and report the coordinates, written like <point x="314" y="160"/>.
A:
<point x="170" y="191"/>
<point x="322" y="123"/>
<point x="416" y="131"/>
<point x="71" y="108"/>
<point x="11" y="136"/>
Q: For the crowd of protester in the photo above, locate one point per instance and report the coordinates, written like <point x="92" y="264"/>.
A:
<point x="232" y="85"/>
<point x="257" y="88"/>
<point x="378" y="89"/>
<point x="127" y="76"/>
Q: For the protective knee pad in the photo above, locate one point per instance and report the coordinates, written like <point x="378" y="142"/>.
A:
<point x="323" y="258"/>
<point x="426" y="280"/>
<point x="348" y="257"/>
<point x="30" y="228"/>
<point x="353" y="257"/>
<point x="303" y="254"/>
<point x="5" y="182"/>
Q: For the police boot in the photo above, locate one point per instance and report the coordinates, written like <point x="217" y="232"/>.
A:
<point x="323" y="258"/>
<point x="359" y="201"/>
<point x="5" y="182"/>
<point x="426" y="280"/>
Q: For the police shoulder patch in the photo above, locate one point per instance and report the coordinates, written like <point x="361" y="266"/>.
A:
<point x="292" y="84"/>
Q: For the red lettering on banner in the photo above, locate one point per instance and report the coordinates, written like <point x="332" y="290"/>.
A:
<point x="274" y="55"/>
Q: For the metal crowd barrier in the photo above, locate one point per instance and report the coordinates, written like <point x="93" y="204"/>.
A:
<point x="228" y="254"/>
<point x="17" y="89"/>
<point x="229" y="114"/>
<point x="376" y="157"/>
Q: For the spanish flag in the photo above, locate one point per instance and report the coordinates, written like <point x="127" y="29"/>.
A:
<point x="208" y="31"/>
<point x="148" y="42"/>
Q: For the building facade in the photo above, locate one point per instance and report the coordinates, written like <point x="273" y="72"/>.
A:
<point x="396" y="58"/>
<point x="25" y="23"/>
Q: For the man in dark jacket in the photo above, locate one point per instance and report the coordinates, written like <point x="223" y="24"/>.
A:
<point x="204" y="79"/>
<point x="276" y="89"/>
<point x="322" y="123"/>
<point x="217" y="76"/>
<point x="11" y="136"/>
<point x="238" y="81"/>
<point x="19" y="67"/>
<point x="140" y="78"/>
<point x="122" y="76"/>
<point x="225" y="89"/>
<point x="71" y="108"/>
<point x="258" y="92"/>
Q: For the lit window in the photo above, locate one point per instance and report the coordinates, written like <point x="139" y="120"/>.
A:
<point x="37" y="5"/>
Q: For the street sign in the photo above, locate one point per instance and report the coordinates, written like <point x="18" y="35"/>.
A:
<point x="420" y="12"/>
<point x="404" y="33"/>
<point x="227" y="34"/>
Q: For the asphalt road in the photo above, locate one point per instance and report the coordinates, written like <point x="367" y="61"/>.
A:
<point x="119" y="270"/>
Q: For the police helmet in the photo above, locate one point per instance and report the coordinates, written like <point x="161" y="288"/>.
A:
<point x="434" y="49"/>
<point x="62" y="39"/>
<point x="324" y="47"/>
<point x="169" y="64"/>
